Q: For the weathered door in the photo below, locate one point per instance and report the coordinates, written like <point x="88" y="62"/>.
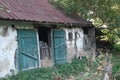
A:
<point x="59" y="46"/>
<point x="28" y="51"/>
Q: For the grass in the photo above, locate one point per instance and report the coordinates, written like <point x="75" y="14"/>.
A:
<point x="116" y="64"/>
<point x="80" y="69"/>
<point x="50" y="73"/>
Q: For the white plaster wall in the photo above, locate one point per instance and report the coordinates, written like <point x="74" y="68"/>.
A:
<point x="79" y="40"/>
<point x="8" y="46"/>
<point x="70" y="43"/>
<point x="76" y="45"/>
<point x="75" y="42"/>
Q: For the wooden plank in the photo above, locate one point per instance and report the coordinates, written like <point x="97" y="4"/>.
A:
<point x="31" y="56"/>
<point x="28" y="50"/>
<point x="59" y="46"/>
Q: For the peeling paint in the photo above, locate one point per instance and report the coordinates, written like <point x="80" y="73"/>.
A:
<point x="77" y="40"/>
<point x="5" y="32"/>
<point x="76" y="45"/>
<point x="8" y="45"/>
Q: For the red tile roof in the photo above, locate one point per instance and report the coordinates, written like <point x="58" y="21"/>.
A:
<point x="35" y="10"/>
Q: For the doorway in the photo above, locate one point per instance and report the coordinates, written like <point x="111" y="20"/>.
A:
<point x="44" y="42"/>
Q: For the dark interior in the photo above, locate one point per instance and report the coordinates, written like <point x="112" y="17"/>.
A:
<point x="44" y="42"/>
<point x="85" y="31"/>
<point x="44" y="34"/>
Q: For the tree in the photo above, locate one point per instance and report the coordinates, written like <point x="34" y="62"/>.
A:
<point x="103" y="13"/>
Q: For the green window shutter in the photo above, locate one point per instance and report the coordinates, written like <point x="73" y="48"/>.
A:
<point x="28" y="50"/>
<point x="59" y="46"/>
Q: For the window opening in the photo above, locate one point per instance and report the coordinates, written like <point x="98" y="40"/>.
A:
<point x="85" y="31"/>
<point x="70" y="36"/>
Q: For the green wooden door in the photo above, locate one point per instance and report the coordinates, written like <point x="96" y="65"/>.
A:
<point x="59" y="46"/>
<point x="28" y="50"/>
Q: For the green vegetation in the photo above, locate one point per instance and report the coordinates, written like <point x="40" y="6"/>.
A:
<point x="117" y="47"/>
<point x="103" y="13"/>
<point x="87" y="68"/>
<point x="50" y="73"/>
<point x="116" y="67"/>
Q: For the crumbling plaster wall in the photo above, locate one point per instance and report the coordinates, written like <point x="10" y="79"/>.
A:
<point x="74" y="46"/>
<point x="89" y="40"/>
<point x="9" y="45"/>
<point x="91" y="35"/>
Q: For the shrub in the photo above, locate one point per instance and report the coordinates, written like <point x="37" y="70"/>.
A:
<point x="116" y="68"/>
<point x="117" y="47"/>
<point x="87" y="68"/>
<point x="50" y="73"/>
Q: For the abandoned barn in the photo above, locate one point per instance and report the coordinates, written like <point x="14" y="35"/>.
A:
<point x="35" y="34"/>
